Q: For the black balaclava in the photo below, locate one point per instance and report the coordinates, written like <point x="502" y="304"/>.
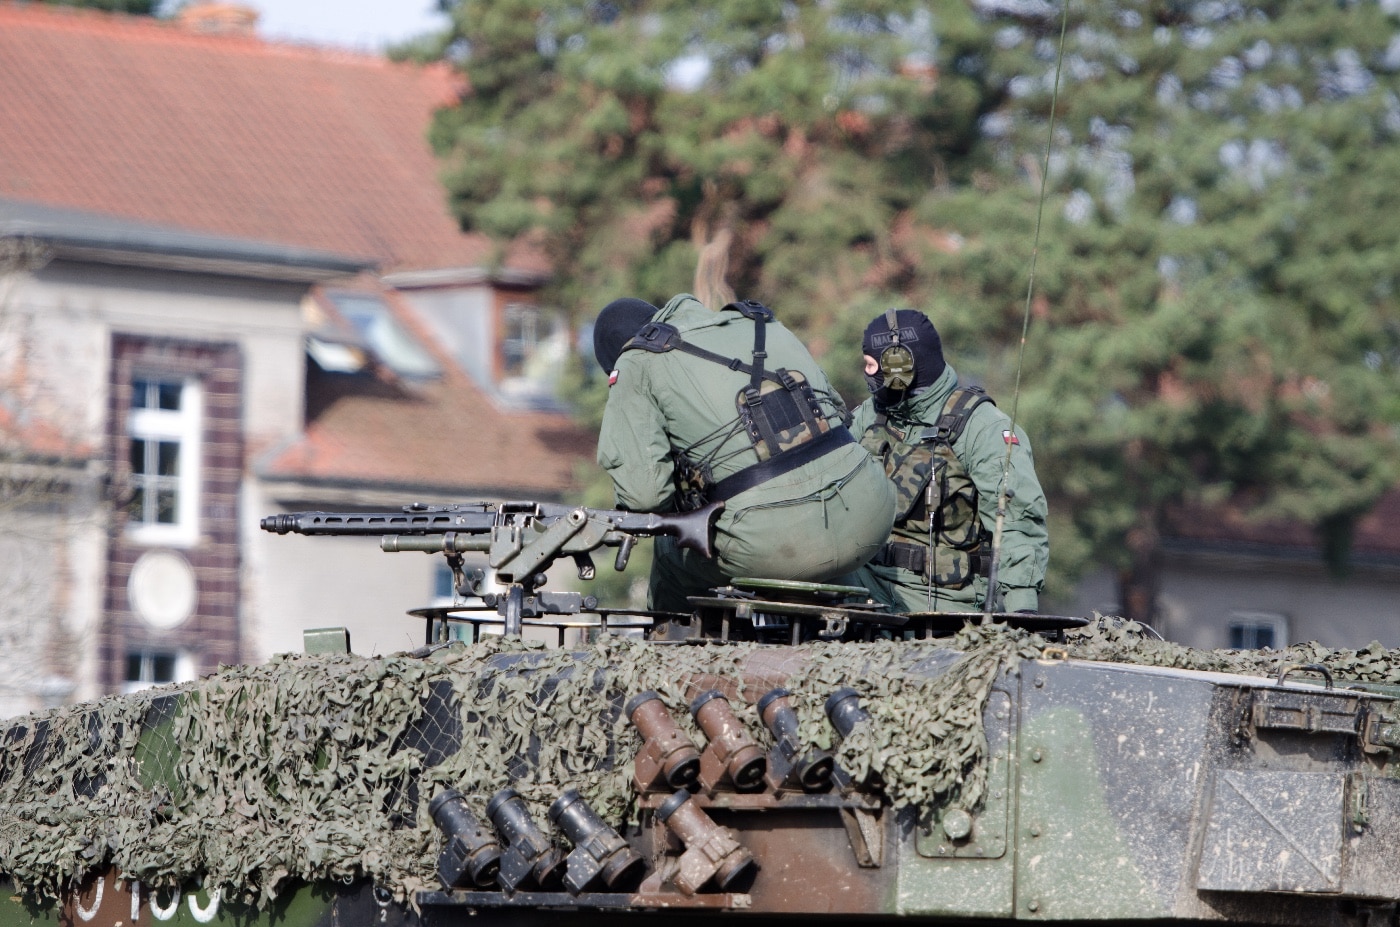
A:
<point x="615" y="326"/>
<point x="917" y="334"/>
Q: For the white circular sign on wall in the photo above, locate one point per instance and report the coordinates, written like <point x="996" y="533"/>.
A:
<point x="161" y="589"/>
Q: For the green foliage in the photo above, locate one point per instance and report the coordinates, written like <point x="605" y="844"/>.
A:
<point x="1214" y="318"/>
<point x="134" y="7"/>
<point x="1222" y="331"/>
<point x="799" y="144"/>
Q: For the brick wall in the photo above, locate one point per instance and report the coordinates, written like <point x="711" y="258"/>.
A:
<point x="211" y="634"/>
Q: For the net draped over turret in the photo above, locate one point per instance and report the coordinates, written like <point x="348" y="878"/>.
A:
<point x="320" y="768"/>
<point x="780" y="748"/>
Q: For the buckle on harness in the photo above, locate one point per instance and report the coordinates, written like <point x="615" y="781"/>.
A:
<point x="751" y="309"/>
<point x="656" y="337"/>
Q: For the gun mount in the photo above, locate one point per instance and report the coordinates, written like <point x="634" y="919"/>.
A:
<point x="521" y="541"/>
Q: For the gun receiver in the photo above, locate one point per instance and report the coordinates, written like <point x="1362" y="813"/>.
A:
<point x="520" y="539"/>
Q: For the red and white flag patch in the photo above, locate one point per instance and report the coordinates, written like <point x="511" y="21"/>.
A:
<point x="612" y="378"/>
<point x="1009" y="437"/>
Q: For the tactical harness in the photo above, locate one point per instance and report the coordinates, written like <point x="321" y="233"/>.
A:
<point x="935" y="498"/>
<point x="778" y="410"/>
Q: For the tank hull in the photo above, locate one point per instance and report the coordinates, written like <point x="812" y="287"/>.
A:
<point x="1077" y="791"/>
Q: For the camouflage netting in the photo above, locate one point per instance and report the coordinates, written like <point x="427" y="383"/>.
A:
<point x="1117" y="641"/>
<point x="319" y="767"/>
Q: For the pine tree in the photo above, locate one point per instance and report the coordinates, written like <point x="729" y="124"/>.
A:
<point x="134" y="7"/>
<point x="1215" y="326"/>
<point x="1214" y="318"/>
<point x="628" y="138"/>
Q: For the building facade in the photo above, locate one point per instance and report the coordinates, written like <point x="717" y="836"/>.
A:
<point x="230" y="286"/>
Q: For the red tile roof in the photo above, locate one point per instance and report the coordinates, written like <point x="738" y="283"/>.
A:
<point x="147" y="120"/>
<point x="1375" y="533"/>
<point x="443" y="436"/>
<point x="150" y="121"/>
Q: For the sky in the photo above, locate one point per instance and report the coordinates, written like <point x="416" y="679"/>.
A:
<point x="363" y="25"/>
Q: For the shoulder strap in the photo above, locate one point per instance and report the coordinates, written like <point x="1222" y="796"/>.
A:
<point x="956" y="411"/>
<point x="658" y="338"/>
<point x="761" y="316"/>
<point x="751" y="309"/>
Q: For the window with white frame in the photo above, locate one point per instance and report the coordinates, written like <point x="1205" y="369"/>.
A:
<point x="164" y="453"/>
<point x="1257" y="631"/>
<point x="146" y="667"/>
<point x="520" y="341"/>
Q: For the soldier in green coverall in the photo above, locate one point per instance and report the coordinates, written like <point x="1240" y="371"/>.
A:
<point x="944" y="447"/>
<point x="729" y="405"/>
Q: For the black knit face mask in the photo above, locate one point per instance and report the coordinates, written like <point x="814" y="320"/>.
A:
<point x="615" y="326"/>
<point x="914" y="331"/>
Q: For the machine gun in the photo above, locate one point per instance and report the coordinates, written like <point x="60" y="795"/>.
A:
<point x="520" y="539"/>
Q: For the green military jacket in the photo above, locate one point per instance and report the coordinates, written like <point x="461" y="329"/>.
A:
<point x="661" y="402"/>
<point x="981" y="449"/>
<point x="814" y="523"/>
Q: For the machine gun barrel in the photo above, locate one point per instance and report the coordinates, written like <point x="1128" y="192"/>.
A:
<point x="413" y="519"/>
<point x="472" y="526"/>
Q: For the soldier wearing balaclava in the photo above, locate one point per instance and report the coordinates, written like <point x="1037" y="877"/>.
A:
<point x="944" y="446"/>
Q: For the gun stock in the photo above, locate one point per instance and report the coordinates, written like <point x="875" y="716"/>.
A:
<point x="692" y="530"/>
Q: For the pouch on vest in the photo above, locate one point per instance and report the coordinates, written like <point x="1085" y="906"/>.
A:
<point x="956" y="524"/>
<point x="934" y="494"/>
<point x="781" y="415"/>
<point x="953" y="569"/>
<point x="909" y="468"/>
<point x="693" y="480"/>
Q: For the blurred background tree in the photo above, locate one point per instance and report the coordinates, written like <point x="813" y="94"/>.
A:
<point x="134" y="7"/>
<point x="1214" y="321"/>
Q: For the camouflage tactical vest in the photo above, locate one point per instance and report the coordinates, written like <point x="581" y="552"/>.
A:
<point x="934" y="495"/>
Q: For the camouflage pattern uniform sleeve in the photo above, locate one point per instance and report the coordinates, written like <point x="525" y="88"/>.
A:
<point x="632" y="444"/>
<point x="1025" y="543"/>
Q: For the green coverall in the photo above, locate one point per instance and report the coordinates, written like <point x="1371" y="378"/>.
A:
<point x="981" y="449"/>
<point x="815" y="523"/>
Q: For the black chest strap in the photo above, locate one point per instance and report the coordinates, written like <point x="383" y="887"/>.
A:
<point x="786" y="462"/>
<point x="957" y="409"/>
<point x="761" y="315"/>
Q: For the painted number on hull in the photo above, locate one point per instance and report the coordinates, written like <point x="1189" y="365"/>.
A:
<point x="100" y="904"/>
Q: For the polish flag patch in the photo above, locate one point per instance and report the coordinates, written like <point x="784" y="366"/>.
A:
<point x="1010" y="438"/>
<point x="612" y="378"/>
